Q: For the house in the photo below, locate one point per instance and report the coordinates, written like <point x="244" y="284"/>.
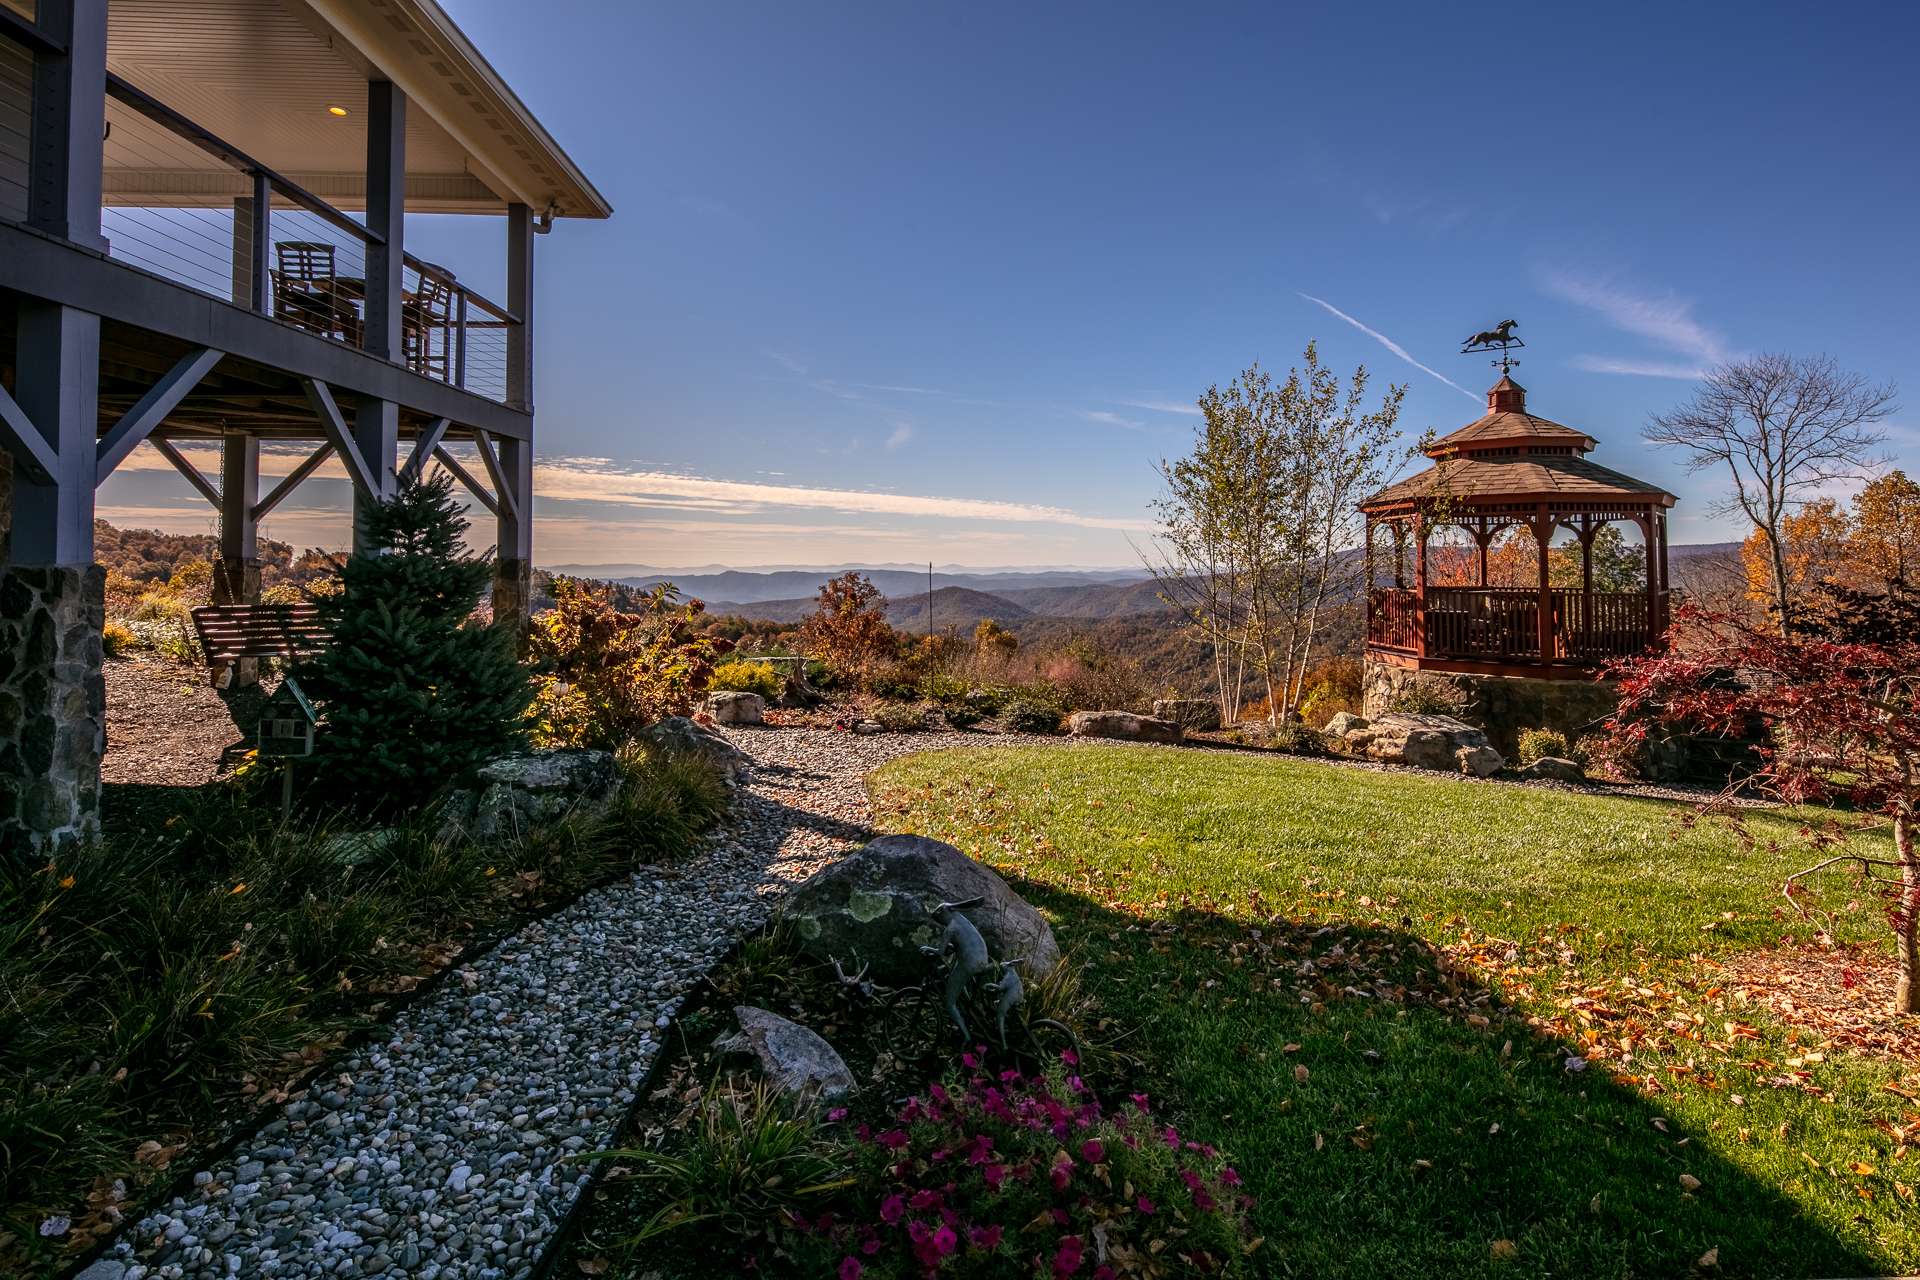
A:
<point x="206" y="242"/>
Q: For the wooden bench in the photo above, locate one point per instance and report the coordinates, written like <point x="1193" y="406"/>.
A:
<point x="230" y="632"/>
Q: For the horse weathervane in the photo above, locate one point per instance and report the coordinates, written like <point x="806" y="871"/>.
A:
<point x="1500" y="338"/>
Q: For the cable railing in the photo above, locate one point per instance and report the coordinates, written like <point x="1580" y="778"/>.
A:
<point x="16" y="126"/>
<point x="243" y="232"/>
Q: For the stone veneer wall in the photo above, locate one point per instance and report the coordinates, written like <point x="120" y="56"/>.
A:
<point x="53" y="698"/>
<point x="1501" y="706"/>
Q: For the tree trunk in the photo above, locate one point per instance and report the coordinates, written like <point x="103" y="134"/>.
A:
<point x="1906" y="991"/>
<point x="1781" y="602"/>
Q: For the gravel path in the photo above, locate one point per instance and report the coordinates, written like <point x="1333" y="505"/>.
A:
<point x="446" y="1149"/>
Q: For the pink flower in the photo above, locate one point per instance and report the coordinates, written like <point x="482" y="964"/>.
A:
<point x="1092" y="1151"/>
<point x="970" y="1059"/>
<point x="924" y="1200"/>
<point x="1230" y="1176"/>
<point x="1144" y="1205"/>
<point x="945" y="1241"/>
<point x="1104" y="1272"/>
<point x="1172" y="1137"/>
<point x="1068" y="1259"/>
<point x="1069" y="1057"/>
<point x="984" y="1237"/>
<point x="850" y="1268"/>
<point x="836" y="1115"/>
<point x="1140" y="1102"/>
<point x="994" y="1174"/>
<point x="892" y="1209"/>
<point x="1061" y="1173"/>
<point x="894" y="1139"/>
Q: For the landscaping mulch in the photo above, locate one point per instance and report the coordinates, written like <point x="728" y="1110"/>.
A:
<point x="168" y="732"/>
<point x="1842" y="994"/>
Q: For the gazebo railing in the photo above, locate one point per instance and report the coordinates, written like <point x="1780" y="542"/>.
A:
<point x="1502" y="624"/>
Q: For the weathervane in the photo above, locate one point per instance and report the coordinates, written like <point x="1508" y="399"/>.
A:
<point x="1499" y="338"/>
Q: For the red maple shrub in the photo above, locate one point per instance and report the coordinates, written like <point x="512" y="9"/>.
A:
<point x="1841" y="703"/>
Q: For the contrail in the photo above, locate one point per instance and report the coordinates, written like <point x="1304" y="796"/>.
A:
<point x="1390" y="345"/>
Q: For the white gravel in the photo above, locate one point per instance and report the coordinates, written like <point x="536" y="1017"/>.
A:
<point x="449" y="1148"/>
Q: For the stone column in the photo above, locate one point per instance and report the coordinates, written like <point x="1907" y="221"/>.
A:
<point x="53" y="699"/>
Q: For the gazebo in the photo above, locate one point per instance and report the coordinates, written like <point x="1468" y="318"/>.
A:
<point x="1511" y="469"/>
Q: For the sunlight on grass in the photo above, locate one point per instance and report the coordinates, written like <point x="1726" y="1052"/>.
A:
<point x="1453" y="1028"/>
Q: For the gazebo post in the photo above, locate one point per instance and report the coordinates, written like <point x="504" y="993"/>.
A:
<point x="1588" y="529"/>
<point x="1482" y="536"/>
<point x="1543" y="534"/>
<point x="1656" y="561"/>
<point x="1420" y="583"/>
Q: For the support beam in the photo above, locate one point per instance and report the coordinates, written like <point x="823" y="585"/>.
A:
<point x="184" y="465"/>
<point x="423" y="446"/>
<point x="520" y="303"/>
<point x="30" y="450"/>
<point x="152" y="409"/>
<point x="465" y="477"/>
<point x="55" y="413"/>
<point x="496" y="476"/>
<point x="291" y="482"/>
<point x="1543" y="525"/>
<point x="339" y="438"/>
<point x="513" y="563"/>
<point x="252" y="234"/>
<point x="69" y="122"/>
<point x="386" y="216"/>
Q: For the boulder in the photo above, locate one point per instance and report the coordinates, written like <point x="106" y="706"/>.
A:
<point x="876" y="907"/>
<point x="1123" y="725"/>
<point x="682" y="736"/>
<point x="1344" y="722"/>
<point x="1555" y="769"/>
<point x="521" y="791"/>
<point x="866" y="728"/>
<point x="732" y="707"/>
<point x="1481" y="762"/>
<point x="1195" y="715"/>
<point x="1425" y="742"/>
<point x="796" y="1061"/>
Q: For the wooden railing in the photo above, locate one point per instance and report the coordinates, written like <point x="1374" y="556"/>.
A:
<point x="1502" y="624"/>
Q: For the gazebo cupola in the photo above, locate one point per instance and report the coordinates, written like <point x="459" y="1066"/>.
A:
<point x="1511" y="470"/>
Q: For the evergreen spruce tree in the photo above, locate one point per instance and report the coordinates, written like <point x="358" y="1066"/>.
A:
<point x="412" y="693"/>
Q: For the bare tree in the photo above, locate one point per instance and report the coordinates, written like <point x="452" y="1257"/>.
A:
<point x="1782" y="426"/>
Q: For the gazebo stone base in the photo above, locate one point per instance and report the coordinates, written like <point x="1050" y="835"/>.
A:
<point x="52" y="705"/>
<point x="1501" y="705"/>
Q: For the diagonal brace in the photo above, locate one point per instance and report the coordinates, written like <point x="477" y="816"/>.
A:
<point x="321" y="398"/>
<point x="23" y="440"/>
<point x="292" y="481"/>
<point x="503" y="492"/>
<point x="424" y="446"/>
<point x="465" y="477"/>
<point x="185" y="467"/>
<point x="161" y="399"/>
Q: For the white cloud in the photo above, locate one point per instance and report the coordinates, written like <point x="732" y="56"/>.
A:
<point x="1639" y="368"/>
<point x="1389" y="344"/>
<point x="1183" y="407"/>
<point x="790" y="363"/>
<point x="1666" y="321"/>
<point x="1107" y="418"/>
<point x="581" y="480"/>
<point x="902" y="432"/>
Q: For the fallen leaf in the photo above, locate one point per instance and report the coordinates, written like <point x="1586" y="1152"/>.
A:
<point x="1300" y="1073"/>
<point x="1711" y="1258"/>
<point x="1503" y="1250"/>
<point x="1690" y="1182"/>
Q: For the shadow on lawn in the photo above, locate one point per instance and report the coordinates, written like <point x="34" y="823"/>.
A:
<point x="1393" y="1133"/>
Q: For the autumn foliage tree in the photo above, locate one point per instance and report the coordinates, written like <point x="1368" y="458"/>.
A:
<point x="848" y="628"/>
<point x="1841" y="700"/>
<point x="1871" y="545"/>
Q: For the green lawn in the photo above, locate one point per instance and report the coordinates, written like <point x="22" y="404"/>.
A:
<point x="1431" y="1125"/>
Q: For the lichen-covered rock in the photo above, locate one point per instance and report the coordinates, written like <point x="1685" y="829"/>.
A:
<point x="1343" y="723"/>
<point x="1195" y="715"/>
<point x="796" y="1061"/>
<point x="522" y="791"/>
<point x="1124" y="726"/>
<point x="685" y="737"/>
<point x="1425" y="742"/>
<point x="876" y="907"/>
<point x="1555" y="769"/>
<point x="735" y="707"/>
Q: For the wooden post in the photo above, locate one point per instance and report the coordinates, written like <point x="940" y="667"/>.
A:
<point x="1656" y="561"/>
<point x="251" y="233"/>
<point x="1420" y="583"/>
<point x="520" y="303"/>
<point x="376" y="426"/>
<point x="1543" y="534"/>
<point x="1588" y="529"/>
<point x="236" y="573"/>
<point x="513" y="570"/>
<point x="69" y="122"/>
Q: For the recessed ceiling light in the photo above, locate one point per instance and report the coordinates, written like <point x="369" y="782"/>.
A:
<point x="336" y="111"/>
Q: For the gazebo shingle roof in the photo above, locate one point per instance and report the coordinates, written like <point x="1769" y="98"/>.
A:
<point x="1510" y="455"/>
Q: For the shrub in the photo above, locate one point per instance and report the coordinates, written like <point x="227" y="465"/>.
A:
<point x="1023" y="714"/>
<point x="1425" y="696"/>
<point x="901" y="717"/>
<point x="1296" y="739"/>
<point x="989" y="1175"/>
<point x="962" y="714"/>
<point x="605" y="675"/>
<point x="848" y="629"/>
<point x="747" y="677"/>
<point x="1536" y="744"/>
<point x="412" y="694"/>
<point x="116" y="638"/>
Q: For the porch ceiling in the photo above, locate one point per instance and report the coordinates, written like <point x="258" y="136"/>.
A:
<point x="261" y="74"/>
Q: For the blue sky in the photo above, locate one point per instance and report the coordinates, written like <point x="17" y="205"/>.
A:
<point x="911" y="282"/>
